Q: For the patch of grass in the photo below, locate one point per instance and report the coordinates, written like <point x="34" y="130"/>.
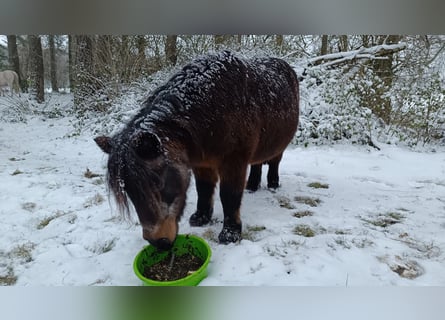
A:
<point x="318" y="185"/>
<point x="101" y="247"/>
<point x="283" y="249"/>
<point x="45" y="221"/>
<point x="107" y="246"/>
<point x="98" y="181"/>
<point x="304" y="231"/>
<point x="386" y="220"/>
<point x="210" y="235"/>
<point x="342" y="232"/>
<point x="362" y="243"/>
<point x="90" y="175"/>
<point x="395" y="215"/>
<point x="23" y="252"/>
<point x="405" y="268"/>
<point x="425" y="249"/>
<point x="255" y="228"/>
<point x="17" y="172"/>
<point x="343" y="242"/>
<point x="251" y="231"/>
<point x="9" y="279"/>
<point x="312" y="202"/>
<point x="301" y="214"/>
<point x="94" y="201"/>
<point x="29" y="206"/>
<point x="285" y="202"/>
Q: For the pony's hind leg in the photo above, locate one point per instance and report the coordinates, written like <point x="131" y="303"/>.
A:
<point x="231" y="192"/>
<point x="273" y="180"/>
<point x="254" y="180"/>
<point x="205" y="180"/>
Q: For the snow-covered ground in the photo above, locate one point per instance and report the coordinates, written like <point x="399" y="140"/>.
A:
<point x="344" y="216"/>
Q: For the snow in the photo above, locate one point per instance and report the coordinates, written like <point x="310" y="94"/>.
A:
<point x="380" y="222"/>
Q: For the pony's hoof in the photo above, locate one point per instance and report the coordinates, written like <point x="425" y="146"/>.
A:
<point x="230" y="235"/>
<point x="198" y="219"/>
<point x="252" y="187"/>
<point x="273" y="185"/>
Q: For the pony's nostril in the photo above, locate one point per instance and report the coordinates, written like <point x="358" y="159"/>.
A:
<point x="163" y="244"/>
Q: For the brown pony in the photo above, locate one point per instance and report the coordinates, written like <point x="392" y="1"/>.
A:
<point x="216" y="116"/>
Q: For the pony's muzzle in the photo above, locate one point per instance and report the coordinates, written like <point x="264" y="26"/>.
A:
<point x="161" y="240"/>
<point x="162" y="244"/>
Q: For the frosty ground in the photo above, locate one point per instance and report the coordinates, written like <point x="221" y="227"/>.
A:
<point x="344" y="216"/>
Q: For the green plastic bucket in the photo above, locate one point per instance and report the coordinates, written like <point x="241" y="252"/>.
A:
<point x="183" y="244"/>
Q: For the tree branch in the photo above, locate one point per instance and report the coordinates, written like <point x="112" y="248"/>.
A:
<point x="372" y="53"/>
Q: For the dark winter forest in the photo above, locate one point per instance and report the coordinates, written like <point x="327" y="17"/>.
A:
<point x="356" y="88"/>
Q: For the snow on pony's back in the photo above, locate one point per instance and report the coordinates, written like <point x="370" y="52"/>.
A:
<point x="192" y="86"/>
<point x="205" y="80"/>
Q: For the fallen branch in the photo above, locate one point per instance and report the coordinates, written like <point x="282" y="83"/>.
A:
<point x="372" y="53"/>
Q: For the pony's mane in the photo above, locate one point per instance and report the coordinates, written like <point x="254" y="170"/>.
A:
<point x="127" y="172"/>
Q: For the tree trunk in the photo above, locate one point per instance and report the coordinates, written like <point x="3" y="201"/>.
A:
<point x="36" y="68"/>
<point x="279" y="42"/>
<point x="104" y="57"/>
<point x="343" y="43"/>
<point x="83" y="70"/>
<point x="71" y="61"/>
<point x="221" y="40"/>
<point x="141" y="44"/>
<point x="14" y="61"/>
<point x="171" y="53"/>
<point x="384" y="70"/>
<point x="324" y="48"/>
<point x="53" y="65"/>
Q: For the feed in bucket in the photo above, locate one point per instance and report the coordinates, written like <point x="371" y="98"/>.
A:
<point x="184" y="265"/>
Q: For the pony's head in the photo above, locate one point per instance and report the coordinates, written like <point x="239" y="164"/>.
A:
<point x="141" y="169"/>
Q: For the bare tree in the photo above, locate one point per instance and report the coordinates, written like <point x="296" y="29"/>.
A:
<point x="384" y="70"/>
<point x="71" y="61"/>
<point x="222" y="40"/>
<point x="36" y="68"/>
<point x="14" y="60"/>
<point x="83" y="68"/>
<point x="279" y="41"/>
<point x="141" y="44"/>
<point x="171" y="53"/>
<point x="324" y="48"/>
<point x="343" y="43"/>
<point x="104" y="64"/>
<point x="53" y="64"/>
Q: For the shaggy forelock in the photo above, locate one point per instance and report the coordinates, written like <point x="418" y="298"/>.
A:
<point x="128" y="172"/>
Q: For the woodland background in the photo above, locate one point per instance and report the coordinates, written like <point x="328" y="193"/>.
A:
<point x="362" y="89"/>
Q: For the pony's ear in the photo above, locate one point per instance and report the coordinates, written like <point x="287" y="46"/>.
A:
<point x="147" y="145"/>
<point x="104" y="143"/>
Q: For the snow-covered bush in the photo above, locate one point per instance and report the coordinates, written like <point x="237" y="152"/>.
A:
<point x="332" y="110"/>
<point x="418" y="115"/>
<point x="343" y="104"/>
<point x="14" y="109"/>
<point x="109" y="111"/>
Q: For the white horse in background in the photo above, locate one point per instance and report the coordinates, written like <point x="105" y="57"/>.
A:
<point x="9" y="78"/>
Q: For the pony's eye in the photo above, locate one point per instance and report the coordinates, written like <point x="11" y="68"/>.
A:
<point x="167" y="196"/>
<point x="171" y="185"/>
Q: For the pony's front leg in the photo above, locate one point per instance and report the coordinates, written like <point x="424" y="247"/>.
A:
<point x="205" y="179"/>
<point x="231" y="193"/>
